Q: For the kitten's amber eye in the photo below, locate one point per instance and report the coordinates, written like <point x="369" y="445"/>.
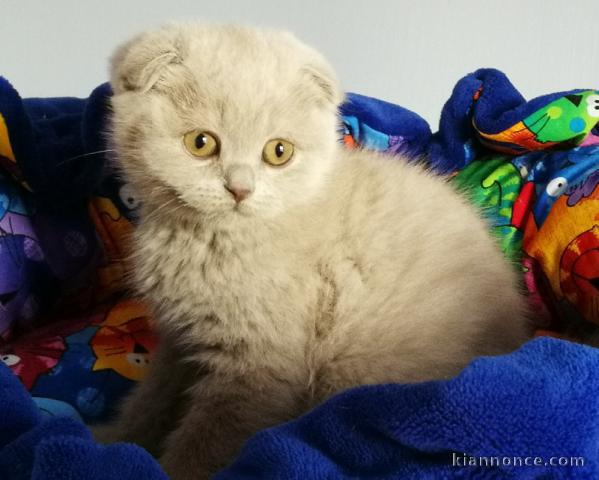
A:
<point x="277" y="152"/>
<point x="201" y="144"/>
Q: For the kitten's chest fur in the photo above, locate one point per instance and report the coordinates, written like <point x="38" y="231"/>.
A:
<point x="228" y="291"/>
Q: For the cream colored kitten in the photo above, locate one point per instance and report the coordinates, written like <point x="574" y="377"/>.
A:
<point x="276" y="286"/>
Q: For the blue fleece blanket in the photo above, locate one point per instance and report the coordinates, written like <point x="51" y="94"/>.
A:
<point x="534" y="163"/>
<point x="531" y="414"/>
<point x="59" y="448"/>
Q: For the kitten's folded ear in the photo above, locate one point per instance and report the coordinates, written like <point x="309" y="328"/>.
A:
<point x="323" y="77"/>
<point x="139" y="64"/>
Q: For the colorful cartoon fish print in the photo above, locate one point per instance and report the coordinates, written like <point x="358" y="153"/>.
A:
<point x="494" y="185"/>
<point x="569" y="119"/>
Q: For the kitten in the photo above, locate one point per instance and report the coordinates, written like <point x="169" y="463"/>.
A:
<point x="280" y="267"/>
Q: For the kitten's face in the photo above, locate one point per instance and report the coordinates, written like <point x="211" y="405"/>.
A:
<point x="240" y="125"/>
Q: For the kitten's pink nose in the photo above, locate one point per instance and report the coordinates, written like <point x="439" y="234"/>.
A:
<point x="239" y="181"/>
<point x="239" y="193"/>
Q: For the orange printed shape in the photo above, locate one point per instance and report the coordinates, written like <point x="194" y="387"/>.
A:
<point x="125" y="341"/>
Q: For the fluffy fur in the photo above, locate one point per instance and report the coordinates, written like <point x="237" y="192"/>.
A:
<point x="339" y="269"/>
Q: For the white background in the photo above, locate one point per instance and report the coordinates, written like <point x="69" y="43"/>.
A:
<point x="407" y="52"/>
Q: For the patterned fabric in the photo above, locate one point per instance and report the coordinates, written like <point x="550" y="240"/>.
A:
<point x="82" y="366"/>
<point x="66" y="329"/>
<point x="544" y="209"/>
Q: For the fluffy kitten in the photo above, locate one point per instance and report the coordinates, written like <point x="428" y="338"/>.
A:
<point x="276" y="286"/>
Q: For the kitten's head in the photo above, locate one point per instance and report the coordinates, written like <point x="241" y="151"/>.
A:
<point x="233" y="122"/>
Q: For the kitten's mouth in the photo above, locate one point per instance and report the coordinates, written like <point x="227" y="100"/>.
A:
<point x="241" y="209"/>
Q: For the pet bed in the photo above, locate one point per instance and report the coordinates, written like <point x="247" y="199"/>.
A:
<point x="72" y="342"/>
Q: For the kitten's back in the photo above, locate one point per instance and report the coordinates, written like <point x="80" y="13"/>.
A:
<point x="423" y="285"/>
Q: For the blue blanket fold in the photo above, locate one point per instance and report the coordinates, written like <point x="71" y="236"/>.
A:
<point x="541" y="401"/>
<point x="539" y="404"/>
<point x="59" y="448"/>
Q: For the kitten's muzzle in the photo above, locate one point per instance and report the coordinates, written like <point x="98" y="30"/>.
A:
<point x="239" y="181"/>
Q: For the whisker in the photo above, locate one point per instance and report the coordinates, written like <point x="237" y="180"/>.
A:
<point x="161" y="208"/>
<point x="88" y="154"/>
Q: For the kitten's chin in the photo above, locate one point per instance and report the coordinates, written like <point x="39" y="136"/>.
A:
<point x="231" y="216"/>
<point x="241" y="210"/>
